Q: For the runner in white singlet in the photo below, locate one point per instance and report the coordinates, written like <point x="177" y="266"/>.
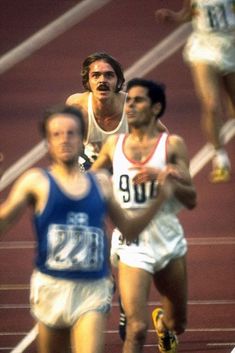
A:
<point x="163" y="240"/>
<point x="103" y="101"/>
<point x="210" y="52"/>
<point x="159" y="252"/>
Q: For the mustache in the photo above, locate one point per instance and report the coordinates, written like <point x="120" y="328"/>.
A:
<point x="103" y="87"/>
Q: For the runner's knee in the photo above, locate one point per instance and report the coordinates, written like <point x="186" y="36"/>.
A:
<point x="136" y="330"/>
<point x="211" y="108"/>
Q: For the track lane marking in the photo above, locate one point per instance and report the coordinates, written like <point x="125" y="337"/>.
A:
<point x="230" y="240"/>
<point x="150" y="303"/>
<point x="49" y="33"/>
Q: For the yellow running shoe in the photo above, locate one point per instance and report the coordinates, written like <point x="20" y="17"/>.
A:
<point x="220" y="175"/>
<point x="167" y="341"/>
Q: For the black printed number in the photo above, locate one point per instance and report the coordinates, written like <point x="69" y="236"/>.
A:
<point x="141" y="192"/>
<point x="217" y="16"/>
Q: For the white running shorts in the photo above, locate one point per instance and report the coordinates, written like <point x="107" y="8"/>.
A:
<point x="217" y="49"/>
<point x="162" y="241"/>
<point x="59" y="302"/>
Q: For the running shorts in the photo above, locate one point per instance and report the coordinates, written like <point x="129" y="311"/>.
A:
<point x="161" y="241"/>
<point x="216" y="49"/>
<point x="59" y="302"/>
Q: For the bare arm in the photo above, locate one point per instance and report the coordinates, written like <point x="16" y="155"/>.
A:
<point x="20" y="197"/>
<point x="79" y="101"/>
<point x="178" y="158"/>
<point x="178" y="167"/>
<point x="74" y="99"/>
<point x="105" y="157"/>
<point x="131" y="226"/>
<point x="183" y="15"/>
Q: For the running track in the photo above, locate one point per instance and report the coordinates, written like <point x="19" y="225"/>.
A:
<point x="127" y="30"/>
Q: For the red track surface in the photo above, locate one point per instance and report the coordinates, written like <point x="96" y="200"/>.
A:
<point x="127" y="30"/>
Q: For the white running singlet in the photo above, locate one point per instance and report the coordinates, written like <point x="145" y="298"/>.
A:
<point x="163" y="239"/>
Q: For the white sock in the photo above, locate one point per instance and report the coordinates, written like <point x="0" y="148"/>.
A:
<point x="221" y="159"/>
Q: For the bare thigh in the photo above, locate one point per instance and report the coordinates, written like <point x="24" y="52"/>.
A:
<point x="52" y="340"/>
<point x="88" y="333"/>
<point x="134" y="286"/>
<point x="209" y="85"/>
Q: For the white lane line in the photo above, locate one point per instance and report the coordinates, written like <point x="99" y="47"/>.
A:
<point x="218" y="344"/>
<point x="150" y="304"/>
<point x="50" y="32"/>
<point x="219" y="329"/>
<point x="212" y="302"/>
<point x="199" y="302"/>
<point x="13" y="333"/>
<point x="7" y="245"/>
<point x="17" y="245"/>
<point x="26" y="161"/>
<point x="26" y="341"/>
<point x="5" y="348"/>
<point x="8" y="287"/>
<point x="206" y="329"/>
<point x="14" y="306"/>
<point x="222" y="344"/>
<point x="216" y="329"/>
<point x="160" y="52"/>
<point x="212" y="241"/>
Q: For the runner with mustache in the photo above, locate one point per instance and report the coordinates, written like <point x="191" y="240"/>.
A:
<point x="102" y="103"/>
